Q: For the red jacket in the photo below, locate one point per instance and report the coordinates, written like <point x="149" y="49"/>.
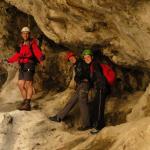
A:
<point x="25" y="55"/>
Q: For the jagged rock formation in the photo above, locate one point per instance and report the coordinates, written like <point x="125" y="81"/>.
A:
<point x="141" y="109"/>
<point x="32" y="130"/>
<point x="121" y="24"/>
<point x="130" y="136"/>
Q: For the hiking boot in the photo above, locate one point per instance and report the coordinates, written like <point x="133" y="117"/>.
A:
<point x="25" y="105"/>
<point x="84" y="128"/>
<point x="94" y="131"/>
<point x="55" y="118"/>
<point x="21" y="105"/>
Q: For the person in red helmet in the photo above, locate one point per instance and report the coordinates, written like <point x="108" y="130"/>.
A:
<point x="27" y="56"/>
<point x="70" y="56"/>
<point x="80" y="96"/>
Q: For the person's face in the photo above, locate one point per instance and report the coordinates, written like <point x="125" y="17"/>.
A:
<point x="88" y="59"/>
<point x="72" y="59"/>
<point x="25" y="35"/>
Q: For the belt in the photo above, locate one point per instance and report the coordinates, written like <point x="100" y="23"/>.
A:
<point x="26" y="69"/>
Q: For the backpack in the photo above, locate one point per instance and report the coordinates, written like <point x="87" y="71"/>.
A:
<point x="108" y="72"/>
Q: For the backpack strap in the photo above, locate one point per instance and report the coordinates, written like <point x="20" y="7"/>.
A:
<point x="100" y="77"/>
<point x="95" y="66"/>
<point x="30" y="47"/>
<point x="33" y="58"/>
<point x="91" y="69"/>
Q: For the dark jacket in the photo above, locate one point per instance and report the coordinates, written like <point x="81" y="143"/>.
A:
<point x="97" y="77"/>
<point x="82" y="72"/>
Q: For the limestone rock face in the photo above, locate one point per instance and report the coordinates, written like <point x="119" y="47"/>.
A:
<point x="32" y="130"/>
<point x="130" y="136"/>
<point x="14" y="134"/>
<point x="3" y="76"/>
<point x="5" y="18"/>
<point x="141" y="109"/>
<point x="123" y="25"/>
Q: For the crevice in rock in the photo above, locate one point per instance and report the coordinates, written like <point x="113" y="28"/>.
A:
<point x="3" y="76"/>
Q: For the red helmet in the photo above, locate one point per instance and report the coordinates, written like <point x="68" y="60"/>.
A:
<point x="69" y="54"/>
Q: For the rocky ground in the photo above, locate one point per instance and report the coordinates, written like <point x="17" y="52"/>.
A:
<point x="22" y="130"/>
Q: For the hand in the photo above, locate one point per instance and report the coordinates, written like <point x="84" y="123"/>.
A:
<point x="41" y="63"/>
<point x="85" y="80"/>
<point x="42" y="68"/>
<point x="91" y="95"/>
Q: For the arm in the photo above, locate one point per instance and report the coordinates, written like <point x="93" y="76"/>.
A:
<point x="14" y="58"/>
<point x="78" y="72"/>
<point x="37" y="52"/>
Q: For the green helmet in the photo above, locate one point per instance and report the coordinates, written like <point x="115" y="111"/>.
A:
<point x="87" y="52"/>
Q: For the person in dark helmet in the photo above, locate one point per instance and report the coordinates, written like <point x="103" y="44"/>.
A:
<point x="26" y="55"/>
<point x="101" y="89"/>
<point x="82" y="79"/>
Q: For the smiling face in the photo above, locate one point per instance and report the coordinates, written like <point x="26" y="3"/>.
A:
<point x="73" y="59"/>
<point x="25" y="35"/>
<point x="88" y="59"/>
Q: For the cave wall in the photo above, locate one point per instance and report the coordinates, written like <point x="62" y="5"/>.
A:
<point x="124" y="25"/>
<point x="103" y="28"/>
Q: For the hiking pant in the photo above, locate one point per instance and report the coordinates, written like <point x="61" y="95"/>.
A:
<point x="81" y="96"/>
<point x="98" y="108"/>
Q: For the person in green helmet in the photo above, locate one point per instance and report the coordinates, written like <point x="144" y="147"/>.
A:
<point x="100" y="85"/>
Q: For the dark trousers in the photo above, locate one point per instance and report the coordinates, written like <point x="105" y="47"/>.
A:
<point x="81" y="96"/>
<point x="97" y="108"/>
